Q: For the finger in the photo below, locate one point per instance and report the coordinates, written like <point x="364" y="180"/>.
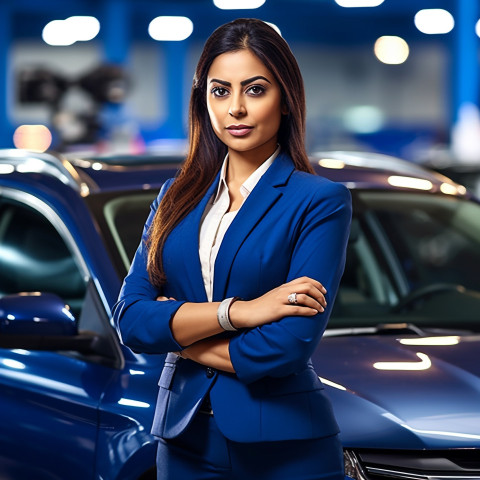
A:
<point x="316" y="294"/>
<point x="308" y="301"/>
<point x="311" y="291"/>
<point x="300" y="311"/>
<point x="304" y="300"/>
<point x="312" y="281"/>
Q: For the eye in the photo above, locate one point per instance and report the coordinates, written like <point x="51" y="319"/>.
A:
<point x="219" y="91"/>
<point x="255" y="90"/>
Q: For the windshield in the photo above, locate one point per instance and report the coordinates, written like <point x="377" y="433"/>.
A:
<point x="412" y="257"/>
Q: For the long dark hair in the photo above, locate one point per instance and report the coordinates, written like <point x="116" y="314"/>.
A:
<point x="206" y="151"/>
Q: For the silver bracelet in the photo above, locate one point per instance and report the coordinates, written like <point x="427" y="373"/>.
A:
<point x="222" y="314"/>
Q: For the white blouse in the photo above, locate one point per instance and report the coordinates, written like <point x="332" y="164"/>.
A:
<point x="216" y="219"/>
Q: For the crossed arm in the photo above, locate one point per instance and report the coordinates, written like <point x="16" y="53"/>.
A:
<point x="194" y="323"/>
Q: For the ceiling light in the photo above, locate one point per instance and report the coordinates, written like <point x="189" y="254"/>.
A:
<point x="37" y="138"/>
<point x="274" y="27"/>
<point x="434" y="21"/>
<point x="167" y="28"/>
<point x="363" y="119"/>
<point x="391" y="50"/>
<point x="359" y="3"/>
<point x="238" y="4"/>
<point x="56" y="33"/>
<point x="477" y="28"/>
<point x="73" y="29"/>
<point x="83" y="28"/>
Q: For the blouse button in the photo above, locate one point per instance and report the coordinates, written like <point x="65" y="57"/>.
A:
<point x="210" y="372"/>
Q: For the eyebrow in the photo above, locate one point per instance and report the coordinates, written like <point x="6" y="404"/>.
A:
<point x="242" y="83"/>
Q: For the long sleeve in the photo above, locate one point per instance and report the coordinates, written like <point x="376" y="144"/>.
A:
<point x="142" y="322"/>
<point x="284" y="347"/>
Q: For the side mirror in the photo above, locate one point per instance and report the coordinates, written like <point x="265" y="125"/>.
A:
<point x="41" y="321"/>
<point x="35" y="314"/>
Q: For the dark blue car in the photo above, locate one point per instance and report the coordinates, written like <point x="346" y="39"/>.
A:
<point x="400" y="359"/>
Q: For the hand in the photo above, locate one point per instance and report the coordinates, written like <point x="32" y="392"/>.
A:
<point x="161" y="298"/>
<point x="274" y="305"/>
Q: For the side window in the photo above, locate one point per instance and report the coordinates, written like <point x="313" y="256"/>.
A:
<point x="34" y="257"/>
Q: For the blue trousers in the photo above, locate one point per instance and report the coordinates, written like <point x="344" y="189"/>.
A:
<point x="203" y="453"/>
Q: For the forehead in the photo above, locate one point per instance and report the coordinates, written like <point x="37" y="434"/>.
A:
<point x="237" y="66"/>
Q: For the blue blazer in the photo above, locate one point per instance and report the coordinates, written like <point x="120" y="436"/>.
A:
<point x="292" y="224"/>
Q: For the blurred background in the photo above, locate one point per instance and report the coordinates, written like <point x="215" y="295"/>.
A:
<point x="399" y="77"/>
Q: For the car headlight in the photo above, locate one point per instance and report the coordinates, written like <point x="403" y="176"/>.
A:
<point x="353" y="469"/>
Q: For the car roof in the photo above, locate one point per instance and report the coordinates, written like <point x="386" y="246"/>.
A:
<point x="368" y="170"/>
<point x="91" y="174"/>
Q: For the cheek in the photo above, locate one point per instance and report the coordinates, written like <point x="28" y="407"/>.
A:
<point x="270" y="116"/>
<point x="213" y="114"/>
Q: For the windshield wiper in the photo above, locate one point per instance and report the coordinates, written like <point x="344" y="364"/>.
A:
<point x="380" y="329"/>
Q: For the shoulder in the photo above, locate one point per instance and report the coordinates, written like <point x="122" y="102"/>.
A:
<point x="316" y="187"/>
<point x="166" y="186"/>
<point x="162" y="192"/>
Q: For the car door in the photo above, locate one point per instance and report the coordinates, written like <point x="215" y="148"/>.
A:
<point x="48" y="399"/>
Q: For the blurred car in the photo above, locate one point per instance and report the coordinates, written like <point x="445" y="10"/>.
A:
<point x="464" y="173"/>
<point x="399" y="359"/>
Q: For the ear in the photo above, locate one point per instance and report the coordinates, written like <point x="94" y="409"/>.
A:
<point x="284" y="109"/>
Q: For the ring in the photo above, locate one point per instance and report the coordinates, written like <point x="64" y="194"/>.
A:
<point x="292" y="299"/>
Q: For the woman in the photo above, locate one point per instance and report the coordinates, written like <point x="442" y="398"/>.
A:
<point x="236" y="274"/>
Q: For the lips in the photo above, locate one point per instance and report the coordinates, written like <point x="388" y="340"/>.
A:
<point x="239" y="130"/>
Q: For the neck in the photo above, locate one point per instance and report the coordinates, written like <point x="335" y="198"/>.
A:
<point x="242" y="164"/>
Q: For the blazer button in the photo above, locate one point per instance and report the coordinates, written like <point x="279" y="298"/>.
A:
<point x="210" y="372"/>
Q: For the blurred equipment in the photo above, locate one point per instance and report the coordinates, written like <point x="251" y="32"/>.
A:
<point x="106" y="84"/>
<point x="104" y="87"/>
<point x="38" y="85"/>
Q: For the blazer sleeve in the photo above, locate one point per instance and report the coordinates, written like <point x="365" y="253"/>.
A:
<point x="142" y="322"/>
<point x="284" y="347"/>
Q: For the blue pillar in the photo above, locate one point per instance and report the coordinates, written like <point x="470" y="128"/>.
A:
<point x="116" y="36"/>
<point x="115" y="31"/>
<point x="6" y="129"/>
<point x="465" y="68"/>
<point x="175" y="53"/>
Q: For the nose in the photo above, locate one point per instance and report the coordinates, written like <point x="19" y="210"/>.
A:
<point x="237" y="107"/>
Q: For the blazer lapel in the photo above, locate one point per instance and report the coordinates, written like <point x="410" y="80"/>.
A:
<point x="260" y="200"/>
<point x="189" y="230"/>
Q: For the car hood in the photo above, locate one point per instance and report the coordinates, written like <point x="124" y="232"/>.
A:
<point x="408" y="392"/>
